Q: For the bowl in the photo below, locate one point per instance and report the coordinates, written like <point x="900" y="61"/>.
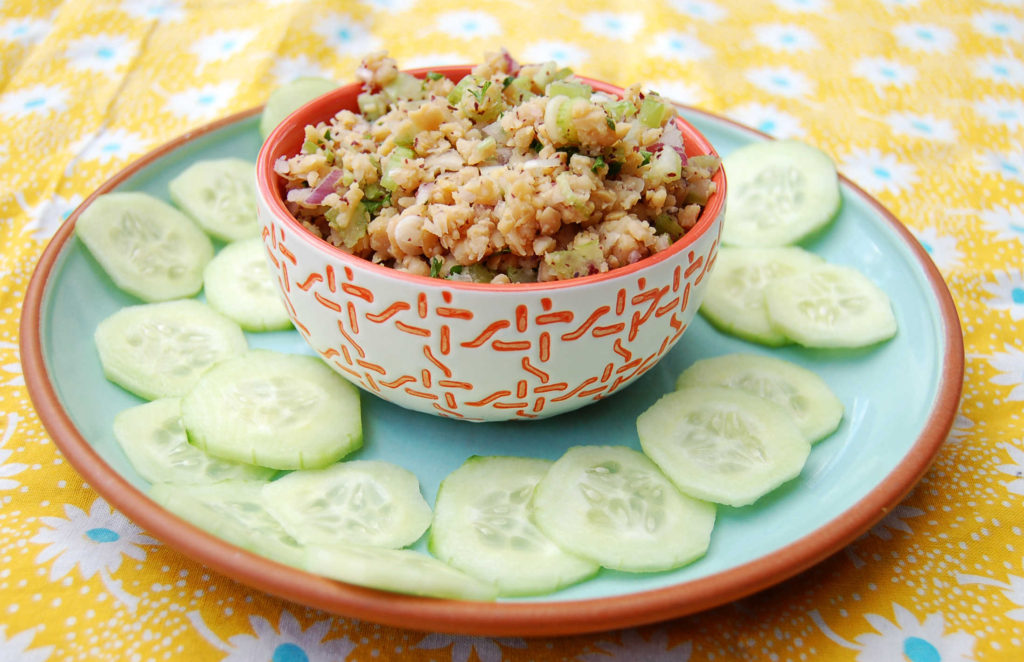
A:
<point x="480" y="351"/>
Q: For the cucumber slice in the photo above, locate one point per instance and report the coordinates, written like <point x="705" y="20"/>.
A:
<point x="396" y="570"/>
<point x="721" y="444"/>
<point x="803" y="394"/>
<point x="238" y="283"/>
<point x="734" y="298"/>
<point x="360" y="502"/>
<point x="233" y="511"/>
<point x="780" y="191"/>
<point x="830" y="306"/>
<point x="146" y="246"/>
<point x="158" y="350"/>
<point x="220" y="195"/>
<point x="611" y="504"/>
<point x="155" y="442"/>
<point x="286" y="99"/>
<point x="284" y="411"/>
<point x="482" y="526"/>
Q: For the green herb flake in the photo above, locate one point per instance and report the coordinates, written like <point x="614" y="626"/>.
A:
<point x="456" y="269"/>
<point x="647" y="157"/>
<point x="479" y="94"/>
<point x="610" y="122"/>
<point x="508" y="81"/>
<point x="435" y="266"/>
<point x="327" y="134"/>
<point x="598" y="164"/>
<point x="433" y="75"/>
<point x="536" y="145"/>
<point x="614" y="168"/>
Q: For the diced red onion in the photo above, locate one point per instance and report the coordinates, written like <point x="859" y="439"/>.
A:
<point x="423" y="192"/>
<point x="513" y="66"/>
<point x="324" y="188"/>
<point x="493" y="130"/>
<point x="673" y="137"/>
<point x="542" y="163"/>
<point x="450" y="160"/>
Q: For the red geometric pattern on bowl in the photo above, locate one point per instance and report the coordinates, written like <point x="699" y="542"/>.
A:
<point x="448" y="329"/>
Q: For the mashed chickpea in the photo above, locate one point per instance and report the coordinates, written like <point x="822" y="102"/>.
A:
<point x="516" y="173"/>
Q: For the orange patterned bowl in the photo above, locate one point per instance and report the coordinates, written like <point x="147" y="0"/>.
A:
<point x="474" y="351"/>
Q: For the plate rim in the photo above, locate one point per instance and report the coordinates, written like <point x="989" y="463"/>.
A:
<point x="534" y="619"/>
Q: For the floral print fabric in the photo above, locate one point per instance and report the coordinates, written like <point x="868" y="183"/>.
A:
<point x="920" y="102"/>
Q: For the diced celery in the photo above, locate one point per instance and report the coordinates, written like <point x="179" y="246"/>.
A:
<point x="620" y="110"/>
<point x="665" y="224"/>
<point x="558" y="120"/>
<point x="473" y="273"/>
<point x="484" y="150"/>
<point x="373" y="106"/>
<point x="568" y="88"/>
<point x="394" y="160"/>
<point x="654" y="111"/>
<point x="581" y="260"/>
<point x="572" y="197"/>
<point x="309" y="147"/>
<point x="666" y="166"/>
<point x="520" y="89"/>
<point x="348" y="222"/>
<point x="405" y="86"/>
<point x="548" y="72"/>
<point x="455" y="96"/>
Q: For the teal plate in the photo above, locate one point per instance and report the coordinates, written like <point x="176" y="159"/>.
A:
<point x="900" y="400"/>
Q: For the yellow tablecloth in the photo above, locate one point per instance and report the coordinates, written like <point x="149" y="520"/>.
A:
<point x="921" y="102"/>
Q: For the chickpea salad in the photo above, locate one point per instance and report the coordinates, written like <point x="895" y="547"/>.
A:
<point x="515" y="173"/>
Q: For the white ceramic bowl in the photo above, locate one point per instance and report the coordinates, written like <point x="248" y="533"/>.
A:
<point x="479" y="351"/>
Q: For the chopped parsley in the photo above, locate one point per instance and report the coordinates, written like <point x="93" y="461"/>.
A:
<point x="433" y="75"/>
<point x="598" y="164"/>
<point x="456" y="269"/>
<point x="435" y="266"/>
<point x="479" y="94"/>
<point x="646" y="155"/>
<point x="508" y="81"/>
<point x="610" y="122"/>
<point x="614" y="168"/>
<point x="536" y="145"/>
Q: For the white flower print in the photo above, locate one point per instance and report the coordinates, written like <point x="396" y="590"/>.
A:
<point x="1014" y="470"/>
<point x="680" y="46"/>
<point x="25" y="31"/>
<point x="38" y="99"/>
<point x="768" y="119"/>
<point x="467" y="24"/>
<point x="1013" y="589"/>
<point x="197" y="103"/>
<point x="48" y="215"/>
<point x="8" y="469"/>
<point x="924" y="38"/>
<point x="960" y="430"/>
<point x="878" y="172"/>
<point x="101" y="53"/>
<point x="633" y="646"/>
<point x="286" y="642"/>
<point x="1006" y="222"/>
<point x="163" y="10"/>
<point x="1000" y="69"/>
<point x="287" y="69"/>
<point x="882" y="72"/>
<point x="942" y="249"/>
<point x="16" y="649"/>
<point x="999" y="24"/>
<point x="783" y="81"/>
<point x="1010" y="366"/>
<point x="110" y="144"/>
<point x="680" y="91"/>
<point x="893" y="521"/>
<point x="1010" y="165"/>
<point x="220" y="45"/>
<point x="562" y="52"/>
<point x="463" y="646"/>
<point x="787" y="38"/>
<point x="699" y="9"/>
<point x="391" y="5"/>
<point x="1001" y="112"/>
<point x="1007" y="293"/>
<point x="13" y="369"/>
<point x="94" y="542"/>
<point x="346" y="35"/>
<point x="904" y="638"/>
<point x="613" y="25"/>
<point x="922" y="126"/>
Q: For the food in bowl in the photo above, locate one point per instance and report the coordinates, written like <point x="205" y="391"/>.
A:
<point x="511" y="173"/>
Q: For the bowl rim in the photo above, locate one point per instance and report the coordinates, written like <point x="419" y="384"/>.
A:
<point x="325" y="106"/>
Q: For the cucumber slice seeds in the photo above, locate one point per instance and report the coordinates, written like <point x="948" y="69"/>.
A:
<point x="157" y="447"/>
<point x="803" y="394"/>
<point x="284" y="411"/>
<point x="780" y="192"/>
<point x="611" y="504"/>
<point x="734" y="299"/>
<point x="361" y="502"/>
<point x="482" y="526"/>
<point x="238" y="283"/>
<point x="159" y="350"/>
<point x="147" y="247"/>
<point x="830" y="306"/>
<point x="220" y="195"/>
<point x="722" y="444"/>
